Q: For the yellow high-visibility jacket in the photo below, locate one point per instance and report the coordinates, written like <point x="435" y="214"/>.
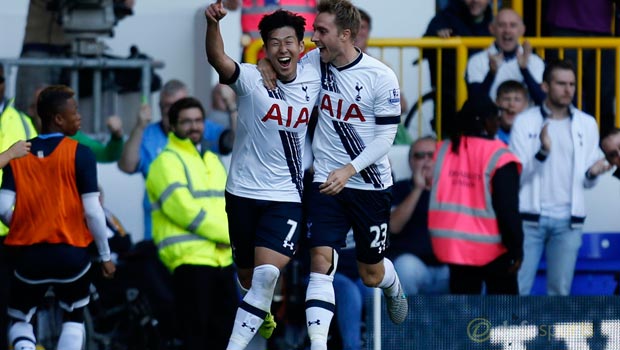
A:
<point x="14" y="126"/>
<point x="186" y="191"/>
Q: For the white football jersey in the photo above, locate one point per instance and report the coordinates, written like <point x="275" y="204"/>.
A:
<point x="267" y="155"/>
<point x="354" y="98"/>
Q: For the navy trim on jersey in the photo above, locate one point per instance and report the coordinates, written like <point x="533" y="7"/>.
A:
<point x="387" y="120"/>
<point x="276" y="93"/>
<point x="355" y="61"/>
<point x="233" y="79"/>
<point x="327" y="79"/>
<point x="85" y="170"/>
<point x="292" y="150"/>
<point x="354" y="145"/>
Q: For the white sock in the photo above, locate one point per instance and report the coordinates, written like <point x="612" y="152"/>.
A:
<point x="71" y="336"/>
<point x="390" y="281"/>
<point x="21" y="336"/>
<point x="320" y="305"/>
<point x="256" y="304"/>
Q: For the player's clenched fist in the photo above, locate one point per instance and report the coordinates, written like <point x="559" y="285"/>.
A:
<point x="215" y="12"/>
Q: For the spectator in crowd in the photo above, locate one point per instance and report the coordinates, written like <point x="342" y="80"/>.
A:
<point x="110" y="151"/>
<point x="410" y="246"/>
<point x="19" y="149"/>
<point x="505" y="60"/>
<point x="44" y="37"/>
<point x="14" y="126"/>
<point x="592" y="18"/>
<point x="147" y="140"/>
<point x="50" y="233"/>
<point x="104" y="153"/>
<point x="473" y="212"/>
<point x="512" y="99"/>
<point x="610" y="144"/>
<point x="265" y="185"/>
<point x="361" y="40"/>
<point x="461" y="18"/>
<point x="558" y="147"/>
<point x="190" y="229"/>
<point x="253" y="11"/>
<point x="223" y="106"/>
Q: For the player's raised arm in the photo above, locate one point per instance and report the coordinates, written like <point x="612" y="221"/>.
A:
<point x="214" y="44"/>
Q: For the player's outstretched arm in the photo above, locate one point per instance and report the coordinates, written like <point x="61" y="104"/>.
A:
<point x="214" y="44"/>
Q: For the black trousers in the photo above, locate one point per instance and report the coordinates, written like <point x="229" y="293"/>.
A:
<point x="206" y="300"/>
<point x="4" y="295"/>
<point x="495" y="275"/>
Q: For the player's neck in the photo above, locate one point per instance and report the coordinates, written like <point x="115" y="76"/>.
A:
<point x="349" y="54"/>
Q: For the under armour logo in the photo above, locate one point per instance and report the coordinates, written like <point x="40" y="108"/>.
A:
<point x="317" y="322"/>
<point x="252" y="329"/>
<point x="358" y="88"/>
<point x="305" y="89"/>
<point x="288" y="244"/>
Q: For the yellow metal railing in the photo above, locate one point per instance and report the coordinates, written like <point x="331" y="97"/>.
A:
<point x="462" y="45"/>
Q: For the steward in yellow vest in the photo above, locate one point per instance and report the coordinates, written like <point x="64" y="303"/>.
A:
<point x="190" y="229"/>
<point x="14" y="126"/>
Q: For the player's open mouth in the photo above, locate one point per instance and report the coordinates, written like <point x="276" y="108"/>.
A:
<point x="284" y="61"/>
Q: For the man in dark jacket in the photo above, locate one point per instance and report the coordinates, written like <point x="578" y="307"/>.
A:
<point x="459" y="18"/>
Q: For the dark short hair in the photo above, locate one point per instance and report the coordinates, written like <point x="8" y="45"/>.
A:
<point x="557" y="64"/>
<point x="471" y="119"/>
<point x="52" y="100"/>
<point x="182" y="104"/>
<point x="171" y="87"/>
<point x="511" y="86"/>
<point x="346" y="15"/>
<point x="364" y="16"/>
<point x="420" y="140"/>
<point x="279" y="19"/>
<point x="609" y="132"/>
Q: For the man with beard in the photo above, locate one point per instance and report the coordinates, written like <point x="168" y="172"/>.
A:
<point x="558" y="147"/>
<point x="185" y="186"/>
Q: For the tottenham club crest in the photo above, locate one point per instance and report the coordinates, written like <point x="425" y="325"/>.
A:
<point x="359" y="88"/>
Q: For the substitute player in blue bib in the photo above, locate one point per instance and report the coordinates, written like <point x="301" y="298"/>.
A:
<point x="359" y="111"/>
<point x="265" y="182"/>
